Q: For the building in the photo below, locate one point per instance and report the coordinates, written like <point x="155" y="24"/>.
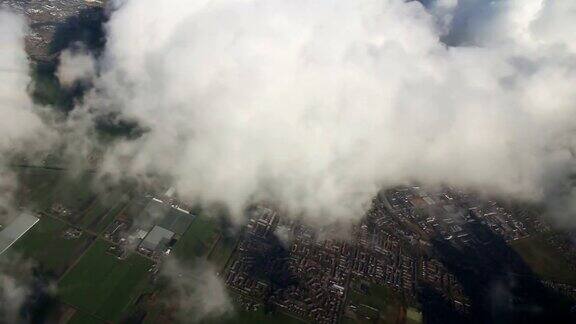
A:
<point x="15" y="230"/>
<point x="157" y="239"/>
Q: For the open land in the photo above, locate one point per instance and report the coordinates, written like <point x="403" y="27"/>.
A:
<point x="103" y="285"/>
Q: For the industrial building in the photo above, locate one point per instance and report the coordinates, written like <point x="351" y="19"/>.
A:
<point x="157" y="239"/>
<point x="11" y="233"/>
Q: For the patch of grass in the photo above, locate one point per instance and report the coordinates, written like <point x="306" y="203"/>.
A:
<point x="45" y="187"/>
<point x="132" y="284"/>
<point x="36" y="185"/>
<point x="109" y="217"/>
<point x="104" y="210"/>
<point x="83" y="318"/>
<point x="413" y="316"/>
<point x="45" y="244"/>
<point x="222" y="252"/>
<point x="197" y="240"/>
<point x="378" y="298"/>
<point x="103" y="285"/>
<point x="92" y="215"/>
<point x="544" y="259"/>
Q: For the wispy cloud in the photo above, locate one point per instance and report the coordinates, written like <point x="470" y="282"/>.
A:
<point x="196" y="291"/>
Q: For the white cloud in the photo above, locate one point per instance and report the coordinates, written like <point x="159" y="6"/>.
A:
<point x="318" y="104"/>
<point x="284" y="235"/>
<point x="21" y="128"/>
<point x="19" y="287"/>
<point x="76" y="65"/>
<point x="198" y="292"/>
<point x="12" y="296"/>
<point x="18" y="121"/>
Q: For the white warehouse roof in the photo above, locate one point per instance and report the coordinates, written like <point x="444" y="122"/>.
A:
<point x="156" y="238"/>
<point x="15" y="230"/>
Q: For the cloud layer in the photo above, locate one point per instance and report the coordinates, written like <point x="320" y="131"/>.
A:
<point x="22" y="130"/>
<point x="76" y="65"/>
<point x="317" y="104"/>
<point x="18" y="121"/>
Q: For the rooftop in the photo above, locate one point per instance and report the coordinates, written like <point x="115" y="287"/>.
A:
<point x="157" y="237"/>
<point x="15" y="230"/>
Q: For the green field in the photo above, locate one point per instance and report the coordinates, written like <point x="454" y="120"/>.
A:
<point x="379" y="298"/>
<point x="104" y="210"/>
<point x="544" y="259"/>
<point x="94" y="215"/>
<point x="197" y="240"/>
<point x="36" y="185"/>
<point x="45" y="187"/>
<point x="82" y="318"/>
<point x="45" y="244"/>
<point x="222" y="252"/>
<point x="413" y="316"/>
<point x="102" y="285"/>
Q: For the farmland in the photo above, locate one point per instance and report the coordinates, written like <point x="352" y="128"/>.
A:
<point x="46" y="240"/>
<point x="102" y="285"/>
<point x="544" y="260"/>
<point x="198" y="239"/>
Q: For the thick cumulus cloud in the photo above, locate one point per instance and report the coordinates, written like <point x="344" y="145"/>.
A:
<point x="317" y="104"/>
<point x="21" y="128"/>
<point x="18" y="121"/>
